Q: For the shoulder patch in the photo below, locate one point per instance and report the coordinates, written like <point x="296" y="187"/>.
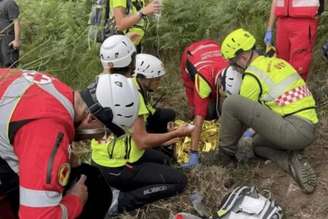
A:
<point x="63" y="174"/>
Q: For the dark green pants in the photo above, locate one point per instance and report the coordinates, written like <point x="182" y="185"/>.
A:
<point x="274" y="134"/>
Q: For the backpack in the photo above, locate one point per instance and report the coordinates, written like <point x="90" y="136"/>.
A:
<point x="101" y="24"/>
<point x="245" y="202"/>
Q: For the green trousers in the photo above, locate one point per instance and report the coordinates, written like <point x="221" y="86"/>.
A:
<point x="275" y="135"/>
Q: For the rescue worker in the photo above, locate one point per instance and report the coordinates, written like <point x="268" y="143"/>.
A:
<point x="129" y="163"/>
<point x="116" y="55"/>
<point x="40" y="117"/>
<point x="200" y="66"/>
<point x="148" y="74"/>
<point x="130" y="17"/>
<point x="274" y="101"/>
<point x="296" y="31"/>
<point x="9" y="33"/>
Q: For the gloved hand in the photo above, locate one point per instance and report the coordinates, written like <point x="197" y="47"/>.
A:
<point x="193" y="160"/>
<point x="268" y="37"/>
<point x="249" y="133"/>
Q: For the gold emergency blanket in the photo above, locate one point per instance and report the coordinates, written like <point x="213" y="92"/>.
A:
<point x="209" y="140"/>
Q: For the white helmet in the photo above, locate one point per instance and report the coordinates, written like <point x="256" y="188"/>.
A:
<point x="231" y="80"/>
<point x="149" y="66"/>
<point x="117" y="50"/>
<point x="114" y="100"/>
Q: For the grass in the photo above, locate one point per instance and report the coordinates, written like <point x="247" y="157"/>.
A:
<point x="55" y="40"/>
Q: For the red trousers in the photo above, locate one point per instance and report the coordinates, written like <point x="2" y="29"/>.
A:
<point x="295" y="38"/>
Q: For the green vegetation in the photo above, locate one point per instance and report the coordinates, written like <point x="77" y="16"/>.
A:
<point x="55" y="36"/>
<point x="55" y="40"/>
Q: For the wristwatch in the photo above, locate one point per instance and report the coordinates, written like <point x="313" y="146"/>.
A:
<point x="141" y="14"/>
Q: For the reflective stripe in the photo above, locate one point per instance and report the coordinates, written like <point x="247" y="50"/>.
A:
<point x="299" y="3"/>
<point x="8" y="103"/>
<point x="208" y="62"/>
<point x="281" y="87"/>
<point x="38" y="198"/>
<point x="64" y="211"/>
<point x="280" y="3"/>
<point x="203" y="47"/>
<point x="50" y="88"/>
<point x="275" y="89"/>
<point x="306" y="3"/>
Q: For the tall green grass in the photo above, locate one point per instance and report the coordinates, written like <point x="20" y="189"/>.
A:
<point x="55" y="40"/>
<point x="55" y="36"/>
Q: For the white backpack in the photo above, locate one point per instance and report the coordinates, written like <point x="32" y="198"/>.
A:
<point x="245" y="202"/>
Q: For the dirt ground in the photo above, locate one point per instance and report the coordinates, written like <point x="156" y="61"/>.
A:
<point x="214" y="182"/>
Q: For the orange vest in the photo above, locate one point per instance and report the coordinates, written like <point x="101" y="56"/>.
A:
<point x="297" y="8"/>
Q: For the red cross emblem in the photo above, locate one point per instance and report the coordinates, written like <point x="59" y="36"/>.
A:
<point x="36" y="77"/>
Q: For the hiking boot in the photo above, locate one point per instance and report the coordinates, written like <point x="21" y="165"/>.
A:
<point x="302" y="172"/>
<point x="225" y="158"/>
<point x="245" y="150"/>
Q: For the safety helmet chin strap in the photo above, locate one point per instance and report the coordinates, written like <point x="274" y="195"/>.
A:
<point x="83" y="134"/>
<point x="104" y="114"/>
<point x="234" y="63"/>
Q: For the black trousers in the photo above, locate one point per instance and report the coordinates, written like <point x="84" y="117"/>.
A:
<point x="157" y="122"/>
<point x="8" y="55"/>
<point x="9" y="190"/>
<point x="145" y="181"/>
<point x="99" y="193"/>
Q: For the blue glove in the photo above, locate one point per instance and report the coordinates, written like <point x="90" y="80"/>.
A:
<point x="192" y="162"/>
<point x="268" y="37"/>
<point x="249" y="133"/>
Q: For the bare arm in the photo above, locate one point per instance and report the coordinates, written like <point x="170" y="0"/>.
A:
<point x="16" y="42"/>
<point x="124" y="21"/>
<point x="272" y="17"/>
<point x="195" y="135"/>
<point x="145" y="140"/>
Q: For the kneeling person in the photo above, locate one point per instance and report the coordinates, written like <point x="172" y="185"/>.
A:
<point x="275" y="101"/>
<point x="129" y="163"/>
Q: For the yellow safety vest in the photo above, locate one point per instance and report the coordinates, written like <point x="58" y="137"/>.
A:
<point x="280" y="88"/>
<point x="138" y="28"/>
<point x="145" y="107"/>
<point x="116" y="152"/>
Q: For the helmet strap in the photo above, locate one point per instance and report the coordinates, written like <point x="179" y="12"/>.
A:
<point x="83" y="134"/>
<point x="104" y="114"/>
<point x="250" y="59"/>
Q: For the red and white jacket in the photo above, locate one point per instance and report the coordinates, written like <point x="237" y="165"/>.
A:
<point x="297" y="8"/>
<point x="35" y="136"/>
<point x="208" y="63"/>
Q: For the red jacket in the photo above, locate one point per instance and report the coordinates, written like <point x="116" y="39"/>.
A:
<point x="42" y="130"/>
<point x="297" y="8"/>
<point x="207" y="61"/>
